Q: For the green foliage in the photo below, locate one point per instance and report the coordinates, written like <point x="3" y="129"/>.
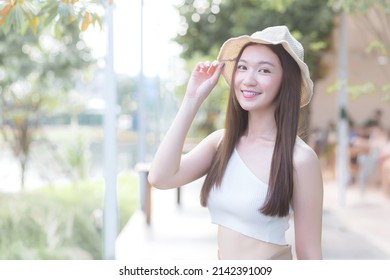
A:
<point x="35" y="15"/>
<point x="126" y="87"/>
<point x="207" y="24"/>
<point x="60" y="222"/>
<point x="377" y="46"/>
<point x="76" y="156"/>
<point x="368" y="88"/>
<point x="359" y="6"/>
<point x="385" y="90"/>
<point x="37" y="73"/>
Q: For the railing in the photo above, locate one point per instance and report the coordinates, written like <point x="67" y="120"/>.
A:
<point x="146" y="191"/>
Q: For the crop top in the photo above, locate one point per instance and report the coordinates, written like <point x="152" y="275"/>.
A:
<point x="236" y="203"/>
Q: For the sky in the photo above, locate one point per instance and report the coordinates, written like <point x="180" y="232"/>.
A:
<point x="161" y="23"/>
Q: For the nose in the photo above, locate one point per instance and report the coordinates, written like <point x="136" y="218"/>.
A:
<point x="250" y="79"/>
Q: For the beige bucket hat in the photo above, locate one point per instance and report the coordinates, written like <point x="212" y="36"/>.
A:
<point x="272" y="35"/>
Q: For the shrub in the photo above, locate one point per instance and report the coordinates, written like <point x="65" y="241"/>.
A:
<point x="60" y="222"/>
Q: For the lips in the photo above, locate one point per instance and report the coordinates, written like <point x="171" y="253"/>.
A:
<point x="250" y="94"/>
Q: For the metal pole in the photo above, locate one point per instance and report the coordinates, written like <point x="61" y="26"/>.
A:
<point x="141" y="112"/>
<point x="342" y="146"/>
<point x="141" y="97"/>
<point x="110" y="217"/>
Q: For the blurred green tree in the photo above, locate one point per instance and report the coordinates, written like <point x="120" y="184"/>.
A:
<point x="206" y="24"/>
<point x="39" y="68"/>
<point x="33" y="15"/>
<point x="126" y="87"/>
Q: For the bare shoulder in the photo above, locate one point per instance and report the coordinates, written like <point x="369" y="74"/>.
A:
<point x="215" y="138"/>
<point x="304" y="155"/>
<point x="307" y="169"/>
<point x="209" y="145"/>
<point x="307" y="166"/>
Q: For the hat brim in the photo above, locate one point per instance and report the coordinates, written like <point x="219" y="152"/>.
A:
<point x="232" y="47"/>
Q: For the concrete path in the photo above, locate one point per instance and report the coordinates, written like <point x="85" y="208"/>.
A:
<point x="356" y="231"/>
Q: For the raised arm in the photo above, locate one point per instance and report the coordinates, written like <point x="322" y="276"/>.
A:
<point x="169" y="168"/>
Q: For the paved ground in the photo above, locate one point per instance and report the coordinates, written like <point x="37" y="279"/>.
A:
<point x="359" y="230"/>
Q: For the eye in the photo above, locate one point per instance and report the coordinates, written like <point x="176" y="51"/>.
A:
<point x="265" y="71"/>
<point x="241" y="67"/>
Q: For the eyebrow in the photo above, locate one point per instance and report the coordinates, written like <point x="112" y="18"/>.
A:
<point x="260" y="63"/>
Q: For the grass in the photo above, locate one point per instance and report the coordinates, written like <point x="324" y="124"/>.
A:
<point x="61" y="222"/>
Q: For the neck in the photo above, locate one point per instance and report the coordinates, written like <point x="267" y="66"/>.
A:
<point x="261" y="126"/>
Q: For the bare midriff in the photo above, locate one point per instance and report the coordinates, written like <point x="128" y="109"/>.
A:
<point x="233" y="245"/>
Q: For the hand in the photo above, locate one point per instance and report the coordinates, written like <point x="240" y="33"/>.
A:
<point x="203" y="79"/>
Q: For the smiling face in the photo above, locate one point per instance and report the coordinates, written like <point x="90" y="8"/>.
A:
<point x="257" y="78"/>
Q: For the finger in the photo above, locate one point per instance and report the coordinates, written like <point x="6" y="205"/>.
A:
<point x="213" y="66"/>
<point x="218" y="71"/>
<point x="220" y="67"/>
<point x="199" y="66"/>
<point x="205" y="66"/>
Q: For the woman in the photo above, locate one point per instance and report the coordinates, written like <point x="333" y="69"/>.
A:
<point x="258" y="171"/>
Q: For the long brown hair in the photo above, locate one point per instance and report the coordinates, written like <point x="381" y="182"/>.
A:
<point x="287" y="102"/>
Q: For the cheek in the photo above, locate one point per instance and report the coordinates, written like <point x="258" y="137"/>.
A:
<point x="236" y="80"/>
<point x="273" y="84"/>
<point x="271" y="81"/>
<point x="236" y="85"/>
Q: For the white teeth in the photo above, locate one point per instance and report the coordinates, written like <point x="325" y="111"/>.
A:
<point x="250" y="93"/>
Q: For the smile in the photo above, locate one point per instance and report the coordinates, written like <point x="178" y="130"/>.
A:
<point x="250" y="94"/>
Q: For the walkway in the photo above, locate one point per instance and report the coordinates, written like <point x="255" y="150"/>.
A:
<point x="358" y="230"/>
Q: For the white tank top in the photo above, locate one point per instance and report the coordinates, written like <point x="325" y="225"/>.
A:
<point x="236" y="203"/>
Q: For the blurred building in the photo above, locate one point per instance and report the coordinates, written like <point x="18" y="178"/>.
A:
<point x="368" y="65"/>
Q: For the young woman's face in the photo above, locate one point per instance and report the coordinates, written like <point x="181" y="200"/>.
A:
<point x="258" y="78"/>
